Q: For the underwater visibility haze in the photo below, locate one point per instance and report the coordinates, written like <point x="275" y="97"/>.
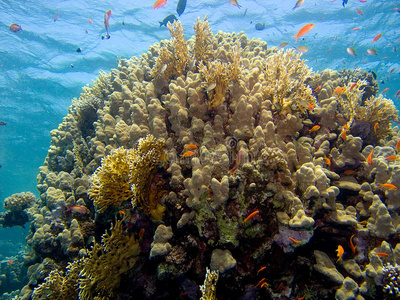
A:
<point x="186" y="149"/>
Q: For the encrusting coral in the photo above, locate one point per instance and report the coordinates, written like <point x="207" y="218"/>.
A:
<point x="220" y="152"/>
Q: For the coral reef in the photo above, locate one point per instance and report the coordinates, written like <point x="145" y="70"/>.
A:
<point x="17" y="206"/>
<point x="219" y="152"/>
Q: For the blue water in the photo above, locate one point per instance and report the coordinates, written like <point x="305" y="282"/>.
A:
<point x="37" y="80"/>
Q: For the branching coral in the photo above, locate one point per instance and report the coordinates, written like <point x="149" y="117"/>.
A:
<point x="106" y="262"/>
<point x="208" y="289"/>
<point x="378" y="110"/>
<point x="203" y="41"/>
<point x="218" y="75"/>
<point x="285" y="75"/>
<point x="142" y="163"/>
<point x="173" y="58"/>
<point x="350" y="99"/>
<point x="109" y="185"/>
<point x="59" y="285"/>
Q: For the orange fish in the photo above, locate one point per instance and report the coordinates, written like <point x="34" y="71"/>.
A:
<point x="385" y="90"/>
<point x="340" y="252"/>
<point x="188" y="154"/>
<point x="315" y="128"/>
<point x="190" y="146"/>
<point x="359" y="11"/>
<point x="239" y="158"/>
<point x="339" y="91"/>
<point x="15" y="28"/>
<point x="375" y="126"/>
<point x="141" y="233"/>
<point x="349" y="172"/>
<point x="317" y="89"/>
<point x="77" y="209"/>
<point x="264" y="284"/>
<point x="328" y="161"/>
<point x="90" y="21"/>
<point x="159" y="3"/>
<point x="343" y="135"/>
<point x="357" y="28"/>
<point x="294" y="241"/>
<point x="260" y="282"/>
<point x="261" y="269"/>
<point x="388" y="186"/>
<point x="252" y="215"/>
<point x="353" y="248"/>
<point x="369" y="158"/>
<point x="106" y="23"/>
<point x="121" y="212"/>
<point x="353" y="86"/>
<point x="235" y="3"/>
<point x="302" y="298"/>
<point x="382" y="254"/>
<point x="10" y="262"/>
<point x="392" y="157"/>
<point x="397" y="146"/>
<point x="304" y="30"/>
<point x="392" y="70"/>
<point x="377" y="37"/>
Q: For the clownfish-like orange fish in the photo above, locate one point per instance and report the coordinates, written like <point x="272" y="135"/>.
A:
<point x="188" y="154"/>
<point x="340" y="253"/>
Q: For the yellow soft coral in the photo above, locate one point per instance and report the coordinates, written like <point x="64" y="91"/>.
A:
<point x="208" y="289"/>
<point x="203" y="41"/>
<point x="106" y="262"/>
<point x="109" y="185"/>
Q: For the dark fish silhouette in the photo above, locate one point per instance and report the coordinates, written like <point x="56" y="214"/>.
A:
<point x="260" y="26"/>
<point x="170" y="18"/>
<point x="2" y="123"/>
<point x="345" y="2"/>
<point x="180" y="8"/>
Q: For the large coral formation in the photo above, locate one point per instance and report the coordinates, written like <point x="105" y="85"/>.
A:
<point x="220" y="152"/>
<point x="17" y="206"/>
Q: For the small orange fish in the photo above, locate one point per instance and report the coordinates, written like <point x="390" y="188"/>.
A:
<point x="340" y="252"/>
<point x="141" y="233"/>
<point x="261" y="269"/>
<point x="77" y="209"/>
<point x="190" y="146"/>
<point x="317" y="89"/>
<point x="121" y="212"/>
<point x="264" y="284"/>
<point x="353" y="248"/>
<point x="392" y="157"/>
<point x="388" y="186"/>
<point x="339" y="91"/>
<point x="392" y="70"/>
<point x="359" y="11"/>
<point x="385" y="90"/>
<point x="90" y="21"/>
<point x="328" y="161"/>
<point x="375" y="126"/>
<point x="252" y="215"/>
<point x="315" y="128"/>
<point x="235" y="3"/>
<point x="353" y="86"/>
<point x="302" y="298"/>
<point x="355" y="29"/>
<point x="10" y="262"/>
<point x="369" y="158"/>
<point x="15" y="28"/>
<point x="279" y="287"/>
<point x="397" y="146"/>
<point x="377" y="37"/>
<point x="310" y="106"/>
<point x="188" y="154"/>
<point x="260" y="282"/>
<point x="345" y="126"/>
<point x="159" y="3"/>
<point x="349" y="172"/>
<point x="304" y="30"/>
<point x="239" y="158"/>
<point x="382" y="254"/>
<point x="294" y="241"/>
<point x="343" y="135"/>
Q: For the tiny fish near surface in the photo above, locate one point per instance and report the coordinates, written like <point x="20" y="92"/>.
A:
<point x="180" y="8"/>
